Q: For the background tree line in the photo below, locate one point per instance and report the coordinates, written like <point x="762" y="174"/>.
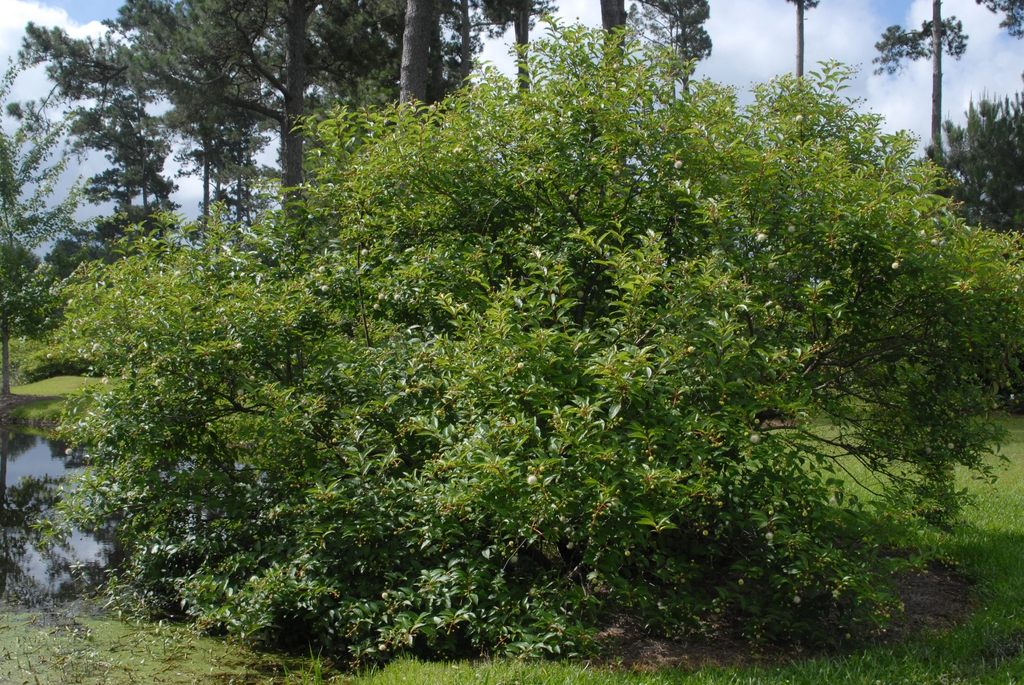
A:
<point x="214" y="84"/>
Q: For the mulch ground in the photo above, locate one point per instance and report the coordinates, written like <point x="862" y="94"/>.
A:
<point x="934" y="600"/>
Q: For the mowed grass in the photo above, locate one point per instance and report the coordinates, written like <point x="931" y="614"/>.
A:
<point x="987" y="648"/>
<point x="50" y="410"/>
<point x="58" y="385"/>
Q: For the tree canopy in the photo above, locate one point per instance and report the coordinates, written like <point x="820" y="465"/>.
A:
<point x="936" y="36"/>
<point x="678" y="26"/>
<point x="29" y="177"/>
<point x="986" y="159"/>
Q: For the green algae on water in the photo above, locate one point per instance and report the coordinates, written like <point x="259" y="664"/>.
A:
<point x="45" y="649"/>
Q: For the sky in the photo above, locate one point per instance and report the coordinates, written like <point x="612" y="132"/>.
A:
<point x="754" y="40"/>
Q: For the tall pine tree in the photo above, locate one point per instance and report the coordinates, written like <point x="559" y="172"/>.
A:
<point x="986" y="157"/>
<point x="935" y="36"/>
<point x="801" y="7"/>
<point x="270" y="57"/>
<point x="114" y="118"/>
<point x="677" y="25"/>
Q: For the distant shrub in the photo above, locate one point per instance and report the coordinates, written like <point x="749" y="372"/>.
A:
<point x="47" y="362"/>
<point x="529" y="360"/>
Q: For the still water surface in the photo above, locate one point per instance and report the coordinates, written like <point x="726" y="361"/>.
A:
<point x="33" y="470"/>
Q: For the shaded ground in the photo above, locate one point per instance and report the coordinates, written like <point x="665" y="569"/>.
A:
<point x="9" y="403"/>
<point x="934" y="600"/>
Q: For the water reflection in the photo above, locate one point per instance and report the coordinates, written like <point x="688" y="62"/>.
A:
<point x="32" y="470"/>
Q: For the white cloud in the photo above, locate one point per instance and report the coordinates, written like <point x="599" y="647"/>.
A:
<point x="14" y="15"/>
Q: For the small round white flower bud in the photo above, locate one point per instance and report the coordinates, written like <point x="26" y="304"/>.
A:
<point x="570" y="545"/>
<point x="531" y="480"/>
<point x="324" y="288"/>
<point x="935" y="242"/>
<point x="796" y="599"/>
<point x="769" y="536"/>
<point x="791" y="228"/>
<point x="755" y="438"/>
<point x="896" y="264"/>
<point x="514" y="559"/>
<point x="761" y="237"/>
<point x="799" y="118"/>
<point x="678" y="164"/>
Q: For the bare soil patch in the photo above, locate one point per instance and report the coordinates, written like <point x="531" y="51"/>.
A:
<point x="934" y="599"/>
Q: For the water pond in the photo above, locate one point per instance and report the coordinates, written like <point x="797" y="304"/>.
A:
<point x="33" y="470"/>
<point x="52" y="627"/>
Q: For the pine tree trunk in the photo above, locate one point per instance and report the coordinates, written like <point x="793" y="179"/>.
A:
<point x="296" y="24"/>
<point x="466" y="53"/>
<point x="522" y="24"/>
<point x="800" y="38"/>
<point x="238" y="191"/>
<point x="937" y="73"/>
<point x="5" y="381"/>
<point x="435" y="92"/>
<point x="5" y="453"/>
<point x="206" y="180"/>
<point x="416" y="50"/>
<point x="613" y="14"/>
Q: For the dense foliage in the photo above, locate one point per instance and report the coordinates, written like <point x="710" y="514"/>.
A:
<point x="532" y="359"/>
<point x="985" y="157"/>
<point x="31" y="165"/>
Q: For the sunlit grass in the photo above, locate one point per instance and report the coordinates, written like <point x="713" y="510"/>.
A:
<point x="49" y="410"/>
<point x="43" y="410"/>
<point x="58" y="385"/>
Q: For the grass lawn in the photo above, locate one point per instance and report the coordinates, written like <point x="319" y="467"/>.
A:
<point x="49" y="410"/>
<point x="58" y="385"/>
<point x="987" y="648"/>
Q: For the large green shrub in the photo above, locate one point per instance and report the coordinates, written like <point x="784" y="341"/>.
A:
<point x="531" y="360"/>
